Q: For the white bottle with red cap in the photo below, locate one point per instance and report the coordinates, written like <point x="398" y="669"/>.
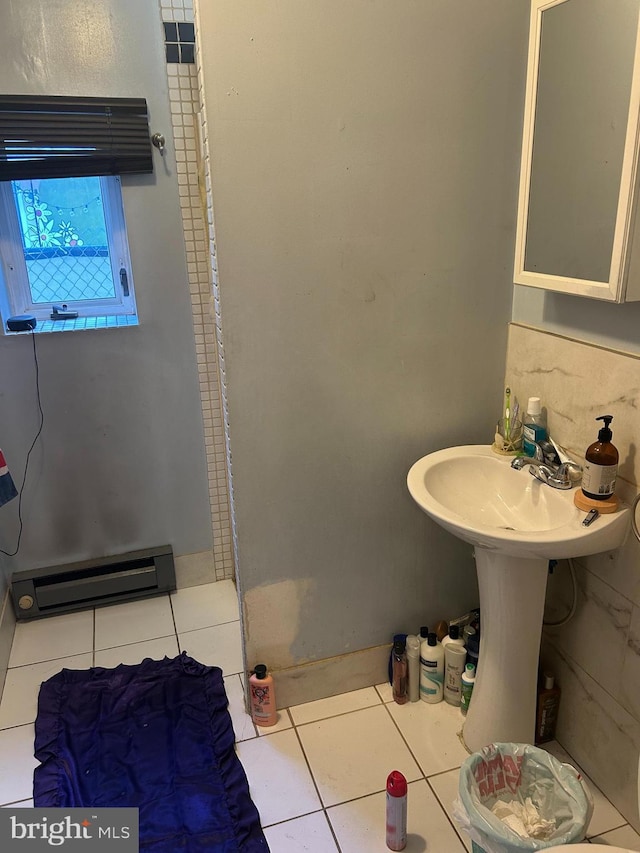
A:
<point x="396" y="811"/>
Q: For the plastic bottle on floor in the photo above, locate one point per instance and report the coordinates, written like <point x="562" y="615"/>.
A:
<point x="431" y="670"/>
<point x="263" y="697"/>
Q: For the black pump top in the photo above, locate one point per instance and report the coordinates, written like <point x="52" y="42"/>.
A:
<point x="424" y="632"/>
<point x="432" y="640"/>
<point x="260" y="670"/>
<point x="605" y="433"/>
<point x="454" y="632"/>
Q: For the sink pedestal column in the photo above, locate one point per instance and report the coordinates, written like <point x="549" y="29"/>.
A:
<point x="512" y="594"/>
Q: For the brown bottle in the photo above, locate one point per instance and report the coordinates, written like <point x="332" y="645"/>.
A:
<point x="600" y="465"/>
<point x="399" y="669"/>
<point x="547" y="711"/>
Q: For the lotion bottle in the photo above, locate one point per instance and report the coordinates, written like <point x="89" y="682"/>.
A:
<point x="431" y="670"/>
<point x="263" y="699"/>
<point x="600" y="465"/>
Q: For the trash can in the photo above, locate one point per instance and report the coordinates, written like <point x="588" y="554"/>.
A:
<point x="547" y="798"/>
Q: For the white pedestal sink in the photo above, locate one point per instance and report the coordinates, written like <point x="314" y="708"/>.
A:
<point x="516" y="525"/>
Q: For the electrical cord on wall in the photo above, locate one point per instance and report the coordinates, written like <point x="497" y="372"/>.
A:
<point x="574" y="603"/>
<point x="33" y="444"/>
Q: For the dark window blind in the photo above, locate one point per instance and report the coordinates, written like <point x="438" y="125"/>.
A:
<point x="67" y="137"/>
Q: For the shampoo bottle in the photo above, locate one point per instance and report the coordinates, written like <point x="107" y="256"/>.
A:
<point x="600" y="465"/>
<point x="263" y="699"/>
<point x="547" y="710"/>
<point x="453" y="637"/>
<point x="534" y="426"/>
<point x="431" y="670"/>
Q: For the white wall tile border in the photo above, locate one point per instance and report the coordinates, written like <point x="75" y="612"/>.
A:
<point x="185" y="95"/>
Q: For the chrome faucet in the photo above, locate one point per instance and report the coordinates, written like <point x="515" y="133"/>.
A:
<point x="545" y="466"/>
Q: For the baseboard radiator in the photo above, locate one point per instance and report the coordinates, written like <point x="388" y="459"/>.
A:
<point x="93" y="583"/>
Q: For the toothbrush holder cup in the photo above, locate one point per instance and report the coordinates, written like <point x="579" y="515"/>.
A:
<point x="508" y="437"/>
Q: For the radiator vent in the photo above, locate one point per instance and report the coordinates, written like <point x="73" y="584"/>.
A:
<point x="92" y="583"/>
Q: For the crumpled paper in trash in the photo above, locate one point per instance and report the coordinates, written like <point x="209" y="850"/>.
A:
<point x="523" y="818"/>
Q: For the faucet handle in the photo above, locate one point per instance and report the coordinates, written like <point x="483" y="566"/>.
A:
<point x="569" y="471"/>
<point x="549" y="453"/>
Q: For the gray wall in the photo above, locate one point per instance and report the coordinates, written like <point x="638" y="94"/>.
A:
<point x="365" y="165"/>
<point x="120" y="464"/>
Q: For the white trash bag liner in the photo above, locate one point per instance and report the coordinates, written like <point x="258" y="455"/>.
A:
<point x="551" y="800"/>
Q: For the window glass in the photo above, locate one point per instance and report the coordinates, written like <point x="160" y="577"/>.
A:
<point x="64" y="239"/>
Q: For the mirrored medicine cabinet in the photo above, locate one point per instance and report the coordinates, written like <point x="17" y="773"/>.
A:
<point x="577" y="229"/>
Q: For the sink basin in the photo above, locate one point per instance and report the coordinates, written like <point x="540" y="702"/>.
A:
<point x="516" y="525"/>
<point x="479" y="497"/>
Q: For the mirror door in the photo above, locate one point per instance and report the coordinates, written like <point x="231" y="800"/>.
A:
<point x="579" y="147"/>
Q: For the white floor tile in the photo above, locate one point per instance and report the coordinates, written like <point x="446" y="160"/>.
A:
<point x="19" y="703"/>
<point x="605" y="815"/>
<point x="279" y="779"/>
<point x="360" y="825"/>
<point x="445" y="786"/>
<point x="625" y="837"/>
<point x="432" y="734"/>
<point x="137" y="652"/>
<point x="334" y="705"/>
<point x="133" y="622"/>
<point x="204" y="606"/>
<point x="310" y="833"/>
<point x="352" y="755"/>
<point x="242" y="723"/>
<point x="16" y="764"/>
<point x="218" y="646"/>
<point x="385" y="692"/>
<point x="283" y="722"/>
<point x="52" y="637"/>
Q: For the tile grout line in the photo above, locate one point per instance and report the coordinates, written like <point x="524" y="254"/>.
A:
<point x="315" y="784"/>
<point x="426" y="778"/>
<point x="446" y="813"/>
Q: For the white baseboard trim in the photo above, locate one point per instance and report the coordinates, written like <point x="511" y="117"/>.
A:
<point x="331" y="676"/>
<point x="194" y="569"/>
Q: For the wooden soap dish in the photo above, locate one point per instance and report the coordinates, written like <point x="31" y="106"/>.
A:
<point x="585" y="504"/>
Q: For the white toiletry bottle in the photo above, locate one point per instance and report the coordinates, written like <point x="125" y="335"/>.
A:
<point x="453" y="637"/>
<point x="455" y="658"/>
<point x="413" y="660"/>
<point x="431" y="670"/>
<point x="534" y="426"/>
<point x="468" y="681"/>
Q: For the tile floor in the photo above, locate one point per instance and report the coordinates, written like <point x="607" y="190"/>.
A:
<point x="317" y="777"/>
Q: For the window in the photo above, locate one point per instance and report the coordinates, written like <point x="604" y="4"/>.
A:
<point x="64" y="248"/>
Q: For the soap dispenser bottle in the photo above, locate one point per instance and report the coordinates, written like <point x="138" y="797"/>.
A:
<point x="600" y="465"/>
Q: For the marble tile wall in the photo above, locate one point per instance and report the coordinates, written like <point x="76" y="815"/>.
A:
<point x="596" y="656"/>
